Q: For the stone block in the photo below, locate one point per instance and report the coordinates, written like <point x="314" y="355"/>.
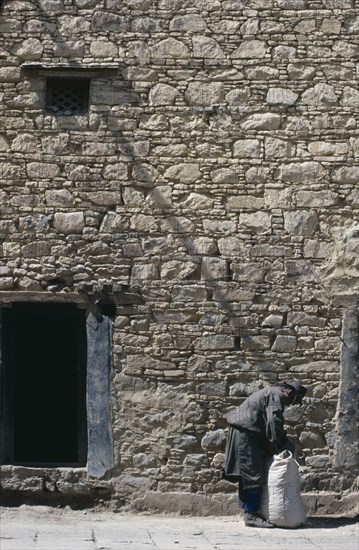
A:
<point x="302" y="172"/>
<point x="30" y="49"/>
<point x="36" y="249"/>
<point x="10" y="74"/>
<point x="197" y="201"/>
<point x="350" y="96"/>
<point x="317" y="249"/>
<point x="353" y="197"/>
<point x="6" y="283"/>
<point x="105" y="198"/>
<point x="163" y="94"/>
<point x="214" y="269"/>
<point x="261" y="121"/>
<point x="318" y="461"/>
<point x="36" y="222"/>
<point x="284" y="52"/>
<point x="243" y="202"/>
<point x="250" y="26"/>
<point x="273" y="320"/>
<point x="114" y="223"/>
<point x="188" y="23"/>
<point x="72" y="222"/>
<point x="55" y="144"/>
<point x="185" y="441"/>
<point x="160" y="197"/>
<point x="300" y="270"/>
<point x="144" y="273"/>
<point x="109" y="21"/>
<point x="28" y="284"/>
<point x="277" y="148"/>
<point x="256" y="221"/>
<point x="69" y="48"/>
<point x="215" y="388"/>
<point x="126" y="483"/>
<point x="204" y="93"/>
<point x="4" y="143"/>
<point x="238" y="96"/>
<point x="205" y="47"/>
<point x="255" y="343"/>
<point x="248" y="271"/>
<point x="321" y="94"/>
<point x="176" y="317"/>
<point x="300" y="71"/>
<point x="281" y="96"/>
<point x="285" y="344"/>
<point x="42" y="170"/>
<point x="225" y="175"/>
<point x="214" y="440"/>
<point x="231" y="292"/>
<point x="316" y="368"/>
<point x="337" y="4"/>
<point x="143" y="222"/>
<point x="59" y="197"/>
<point x="144" y="173"/>
<point x="325" y="148"/>
<point x="179" y="150"/>
<point x="196" y="460"/>
<point x="100" y="49"/>
<point x="98" y="149"/>
<point x="145" y="24"/>
<point x="7" y="226"/>
<point x="316" y="199"/>
<point x="231" y="246"/>
<point x="175" y="269"/>
<point x="187" y="293"/>
<point x="5" y="271"/>
<point x="26" y="143"/>
<point x="170" y="48"/>
<point x="327" y="344"/>
<point x="247" y="148"/>
<point x="250" y="49"/>
<point x="305" y="26"/>
<point x="51" y="5"/>
<point x="184" y="172"/>
<point x="176" y="224"/>
<point x="38" y="27"/>
<point x="345" y="174"/>
<point x="301" y="222"/>
<point x="215" y="342"/>
<point x="154" y="122"/>
<point x="201" y="245"/>
<point x="219" y="226"/>
<point x="140" y="74"/>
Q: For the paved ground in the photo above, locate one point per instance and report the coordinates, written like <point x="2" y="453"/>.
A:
<point x="43" y="528"/>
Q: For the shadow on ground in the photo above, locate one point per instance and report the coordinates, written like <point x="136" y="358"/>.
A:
<point x="330" y="523"/>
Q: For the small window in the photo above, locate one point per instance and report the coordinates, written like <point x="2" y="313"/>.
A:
<point x="67" y="96"/>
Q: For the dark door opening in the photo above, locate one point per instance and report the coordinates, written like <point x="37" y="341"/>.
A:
<point x="44" y="385"/>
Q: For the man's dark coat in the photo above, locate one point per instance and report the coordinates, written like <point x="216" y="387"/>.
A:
<point x="256" y="431"/>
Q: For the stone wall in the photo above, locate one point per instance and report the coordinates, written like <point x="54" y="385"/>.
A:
<point x="211" y="194"/>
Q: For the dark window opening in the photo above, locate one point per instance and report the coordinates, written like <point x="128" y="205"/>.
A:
<point x="44" y="385"/>
<point x="67" y="96"/>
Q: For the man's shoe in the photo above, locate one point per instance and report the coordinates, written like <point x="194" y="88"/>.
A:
<point x="253" y="520"/>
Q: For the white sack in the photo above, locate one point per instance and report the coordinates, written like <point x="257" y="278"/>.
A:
<point x="281" y="500"/>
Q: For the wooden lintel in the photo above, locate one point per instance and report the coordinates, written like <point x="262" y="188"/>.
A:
<point x="33" y="296"/>
<point x="81" y="299"/>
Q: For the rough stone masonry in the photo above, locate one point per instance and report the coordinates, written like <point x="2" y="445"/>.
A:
<point x="209" y="193"/>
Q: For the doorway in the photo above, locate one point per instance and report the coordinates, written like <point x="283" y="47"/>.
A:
<point x="44" y="421"/>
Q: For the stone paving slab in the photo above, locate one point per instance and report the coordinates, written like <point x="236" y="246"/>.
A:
<point x="40" y="527"/>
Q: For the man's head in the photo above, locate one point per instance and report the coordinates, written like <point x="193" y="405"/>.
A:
<point x="293" y="392"/>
